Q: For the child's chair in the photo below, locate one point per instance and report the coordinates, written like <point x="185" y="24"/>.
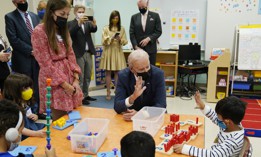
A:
<point x="246" y="150"/>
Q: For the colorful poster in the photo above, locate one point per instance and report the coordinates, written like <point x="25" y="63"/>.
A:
<point x="184" y="26"/>
<point x="238" y="6"/>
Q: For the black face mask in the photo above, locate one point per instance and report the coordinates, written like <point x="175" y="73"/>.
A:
<point x="61" y="22"/>
<point x="143" y="10"/>
<point x="145" y="75"/>
<point x="22" y="6"/>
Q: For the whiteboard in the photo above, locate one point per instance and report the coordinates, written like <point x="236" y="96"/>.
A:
<point x="222" y="19"/>
<point x="249" y="49"/>
<point x="127" y="8"/>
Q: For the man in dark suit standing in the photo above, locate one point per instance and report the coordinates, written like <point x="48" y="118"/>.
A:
<point x="145" y="29"/>
<point x="139" y="85"/>
<point x="19" y="25"/>
<point x="80" y="29"/>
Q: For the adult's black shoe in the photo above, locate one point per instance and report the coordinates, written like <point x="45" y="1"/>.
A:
<point x="41" y="116"/>
<point x="90" y="98"/>
<point x="85" y="102"/>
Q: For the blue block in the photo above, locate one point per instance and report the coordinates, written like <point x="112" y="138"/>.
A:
<point x="253" y="132"/>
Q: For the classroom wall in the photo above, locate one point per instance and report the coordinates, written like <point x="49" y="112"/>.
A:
<point x="103" y="8"/>
<point x="6" y="7"/>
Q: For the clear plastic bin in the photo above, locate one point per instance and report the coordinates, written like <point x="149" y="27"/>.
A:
<point x="81" y="142"/>
<point x="149" y="119"/>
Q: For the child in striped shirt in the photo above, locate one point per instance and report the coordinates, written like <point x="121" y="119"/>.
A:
<point x="228" y="114"/>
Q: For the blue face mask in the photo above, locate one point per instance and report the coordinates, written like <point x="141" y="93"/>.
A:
<point x="41" y="13"/>
<point x="221" y="124"/>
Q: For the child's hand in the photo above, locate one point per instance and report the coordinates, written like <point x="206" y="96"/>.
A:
<point x="33" y="117"/>
<point x="178" y="148"/>
<point x="198" y="100"/>
<point x="50" y="153"/>
<point x="41" y="133"/>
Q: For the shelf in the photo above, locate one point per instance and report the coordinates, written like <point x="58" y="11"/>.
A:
<point x="170" y="80"/>
<point x="221" y="74"/>
<point x="167" y="65"/>
<point x="221" y="86"/>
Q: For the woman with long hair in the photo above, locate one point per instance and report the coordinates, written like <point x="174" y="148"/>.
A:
<point x="53" y="51"/>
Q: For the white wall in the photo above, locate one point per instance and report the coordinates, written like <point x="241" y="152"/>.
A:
<point x="221" y="24"/>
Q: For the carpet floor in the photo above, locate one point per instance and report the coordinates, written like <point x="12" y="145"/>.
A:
<point x="101" y="102"/>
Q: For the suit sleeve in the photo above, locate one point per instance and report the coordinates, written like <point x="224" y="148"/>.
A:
<point x="91" y="27"/>
<point x="72" y="60"/>
<point x="157" y="31"/>
<point x="120" y="96"/>
<point x="132" y="33"/>
<point x="14" y="40"/>
<point x="160" y="97"/>
<point x="73" y="28"/>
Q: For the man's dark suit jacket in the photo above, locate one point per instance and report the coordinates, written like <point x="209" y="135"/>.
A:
<point x="79" y="38"/>
<point x="20" y="40"/>
<point x="154" y="95"/>
<point x="153" y="30"/>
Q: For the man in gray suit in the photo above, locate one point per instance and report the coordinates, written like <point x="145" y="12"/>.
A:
<point x="19" y="25"/>
<point x="145" y="29"/>
<point x="80" y="29"/>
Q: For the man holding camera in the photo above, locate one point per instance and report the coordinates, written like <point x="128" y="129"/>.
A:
<point x="80" y="30"/>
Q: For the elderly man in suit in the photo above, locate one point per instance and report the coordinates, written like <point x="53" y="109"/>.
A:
<point x="145" y="29"/>
<point x="19" y="25"/>
<point x="80" y="29"/>
<point x="139" y="85"/>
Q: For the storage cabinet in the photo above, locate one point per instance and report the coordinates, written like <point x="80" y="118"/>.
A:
<point x="168" y="62"/>
<point x="218" y="77"/>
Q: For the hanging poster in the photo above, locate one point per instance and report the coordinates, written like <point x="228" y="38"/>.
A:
<point x="184" y="26"/>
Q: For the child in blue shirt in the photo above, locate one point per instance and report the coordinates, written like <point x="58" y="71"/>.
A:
<point x="18" y="88"/>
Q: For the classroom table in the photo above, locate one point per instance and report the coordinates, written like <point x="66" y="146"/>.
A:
<point x="117" y="129"/>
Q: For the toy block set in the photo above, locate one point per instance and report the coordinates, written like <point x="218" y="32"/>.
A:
<point x="173" y="134"/>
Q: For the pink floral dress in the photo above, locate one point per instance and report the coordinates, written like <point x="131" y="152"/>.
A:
<point x="59" y="68"/>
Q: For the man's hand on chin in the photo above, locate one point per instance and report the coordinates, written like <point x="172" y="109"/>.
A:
<point x="128" y="114"/>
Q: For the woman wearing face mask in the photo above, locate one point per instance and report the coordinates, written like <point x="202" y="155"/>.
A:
<point x="53" y="51"/>
<point x="18" y="88"/>
<point x="113" y="38"/>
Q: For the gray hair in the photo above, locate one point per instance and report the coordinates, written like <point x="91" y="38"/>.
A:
<point x="135" y="56"/>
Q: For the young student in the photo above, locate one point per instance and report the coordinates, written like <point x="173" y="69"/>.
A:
<point x="228" y="114"/>
<point x="11" y="126"/>
<point x="137" y="144"/>
<point x="18" y="88"/>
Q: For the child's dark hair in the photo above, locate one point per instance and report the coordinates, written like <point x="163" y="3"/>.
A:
<point x="9" y="115"/>
<point x="137" y="144"/>
<point x="231" y="108"/>
<point x="14" y="85"/>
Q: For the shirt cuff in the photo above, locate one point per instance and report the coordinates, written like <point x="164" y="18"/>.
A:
<point x="127" y="103"/>
<point x="185" y="149"/>
<point x="206" y="110"/>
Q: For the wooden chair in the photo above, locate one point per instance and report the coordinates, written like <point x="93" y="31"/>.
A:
<point x="246" y="150"/>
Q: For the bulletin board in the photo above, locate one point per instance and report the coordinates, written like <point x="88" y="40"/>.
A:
<point x="222" y="19"/>
<point x="182" y="21"/>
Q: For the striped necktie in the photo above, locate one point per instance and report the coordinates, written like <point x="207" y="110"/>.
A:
<point x="28" y="24"/>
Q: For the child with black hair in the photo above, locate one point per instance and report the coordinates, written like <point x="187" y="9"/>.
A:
<point x="18" y="88"/>
<point x="228" y="115"/>
<point x="137" y="144"/>
<point x="11" y="126"/>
